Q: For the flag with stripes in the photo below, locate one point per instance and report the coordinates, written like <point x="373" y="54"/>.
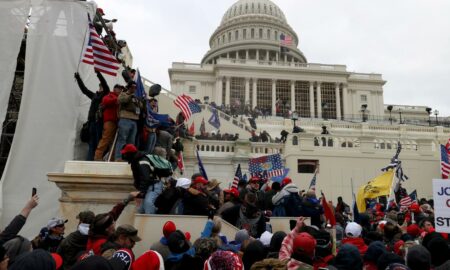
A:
<point x="237" y="177"/>
<point x="413" y="196"/>
<point x="285" y="40"/>
<point x="445" y="164"/>
<point x="265" y="163"/>
<point x="97" y="54"/>
<point x="394" y="160"/>
<point x="405" y="202"/>
<point x="399" y="172"/>
<point x="279" y="175"/>
<point x="187" y="105"/>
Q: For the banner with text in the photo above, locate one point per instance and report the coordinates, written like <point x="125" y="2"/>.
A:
<point x="441" y="196"/>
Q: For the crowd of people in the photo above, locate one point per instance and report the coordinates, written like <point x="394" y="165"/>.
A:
<point x="383" y="237"/>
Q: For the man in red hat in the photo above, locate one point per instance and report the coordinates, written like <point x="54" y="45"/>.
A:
<point x="195" y="200"/>
<point x="253" y="186"/>
<point x="231" y="199"/>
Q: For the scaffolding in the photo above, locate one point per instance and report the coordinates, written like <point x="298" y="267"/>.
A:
<point x="9" y="125"/>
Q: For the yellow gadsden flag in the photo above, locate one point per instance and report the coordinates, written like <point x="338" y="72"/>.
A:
<point x="379" y="186"/>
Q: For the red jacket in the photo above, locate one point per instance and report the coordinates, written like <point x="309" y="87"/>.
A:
<point x="357" y="242"/>
<point x="110" y="107"/>
<point x="95" y="244"/>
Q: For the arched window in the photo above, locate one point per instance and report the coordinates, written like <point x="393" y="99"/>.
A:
<point x="270" y="8"/>
<point x="276" y="35"/>
<point x="295" y="140"/>
<point x="260" y="33"/>
<point x="316" y="141"/>
<point x="244" y="34"/>
<point x="252" y="33"/>
<point x="268" y="33"/>
<point x="324" y="141"/>
<point x="330" y="142"/>
<point x="246" y="8"/>
<point x="229" y="36"/>
<point x="223" y="38"/>
<point x="265" y="9"/>
<point x="253" y="7"/>
<point x="236" y="35"/>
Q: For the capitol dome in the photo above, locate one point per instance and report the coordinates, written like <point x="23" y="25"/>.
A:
<point x="251" y="29"/>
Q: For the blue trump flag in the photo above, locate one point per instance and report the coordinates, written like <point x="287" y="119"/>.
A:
<point x="281" y="177"/>
<point x="153" y="119"/>
<point x="214" y="119"/>
<point x="200" y="166"/>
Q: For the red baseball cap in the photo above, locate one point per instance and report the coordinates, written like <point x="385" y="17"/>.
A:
<point x="129" y="148"/>
<point x="304" y="243"/>
<point x="286" y="181"/>
<point x="254" y="179"/>
<point x="200" y="179"/>
<point x="415" y="208"/>
<point x="233" y="191"/>
<point x="413" y="230"/>
<point x="168" y="228"/>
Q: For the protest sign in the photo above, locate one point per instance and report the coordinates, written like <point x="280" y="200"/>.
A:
<point x="441" y="196"/>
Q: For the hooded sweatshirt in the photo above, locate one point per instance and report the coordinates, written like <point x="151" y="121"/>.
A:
<point x="286" y="191"/>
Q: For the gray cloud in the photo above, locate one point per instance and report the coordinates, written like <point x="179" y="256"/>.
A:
<point x="407" y="41"/>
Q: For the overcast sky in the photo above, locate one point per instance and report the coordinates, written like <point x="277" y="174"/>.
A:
<point x="407" y="41"/>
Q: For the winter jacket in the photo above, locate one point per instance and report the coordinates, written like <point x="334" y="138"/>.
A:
<point x="167" y="199"/>
<point x="130" y="106"/>
<point x="141" y="169"/>
<point x="110" y="107"/>
<point x="358" y="242"/>
<point x="233" y="216"/>
<point x="312" y="208"/>
<point x="96" y="98"/>
<point x="287" y="248"/>
<point x="46" y="241"/>
<point x="71" y="247"/>
<point x="195" y="204"/>
<point x="161" y="247"/>
<point x="287" y="202"/>
<point x="12" y="229"/>
<point x="260" y="196"/>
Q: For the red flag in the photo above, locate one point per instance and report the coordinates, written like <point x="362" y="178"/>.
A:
<point x="180" y="162"/>
<point x="192" y="129"/>
<point x="329" y="215"/>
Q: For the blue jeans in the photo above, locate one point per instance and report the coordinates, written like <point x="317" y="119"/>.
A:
<point x="95" y="134"/>
<point x="149" y="145"/>
<point x="148" y="205"/>
<point x="127" y="130"/>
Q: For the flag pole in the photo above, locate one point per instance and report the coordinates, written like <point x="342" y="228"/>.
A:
<point x="84" y="43"/>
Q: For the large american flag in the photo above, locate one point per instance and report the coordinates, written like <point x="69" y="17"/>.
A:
<point x="96" y="53"/>
<point x="285" y="40"/>
<point x="187" y="105"/>
<point x="445" y="164"/>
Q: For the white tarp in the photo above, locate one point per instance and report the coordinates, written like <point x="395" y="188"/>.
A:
<point x="52" y="109"/>
<point x="441" y="197"/>
<point x="13" y="17"/>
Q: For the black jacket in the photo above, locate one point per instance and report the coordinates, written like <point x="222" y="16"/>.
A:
<point x="12" y="229"/>
<point x="231" y="215"/>
<point x="95" y="97"/>
<point x="71" y="247"/>
<point x="196" y="205"/>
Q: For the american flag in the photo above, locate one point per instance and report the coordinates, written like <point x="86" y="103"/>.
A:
<point x="445" y="164"/>
<point x="405" y="202"/>
<point x="285" y="40"/>
<point x="265" y="163"/>
<point x="97" y="54"/>
<point x="237" y="177"/>
<point x="187" y="105"/>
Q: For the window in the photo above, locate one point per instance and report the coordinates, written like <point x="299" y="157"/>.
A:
<point x="229" y="36"/>
<point x="268" y="33"/>
<point x="236" y="35"/>
<point x="295" y="140"/>
<point x="237" y="92"/>
<point x="276" y="35"/>
<point x="244" y="34"/>
<point x="302" y="105"/>
<point x="307" y="166"/>
<point x="264" y="95"/>
<point x="260" y="33"/>
<point x="328" y="92"/>
<point x="223" y="38"/>
<point x="252" y="33"/>
<point x="363" y="98"/>
<point x="283" y="96"/>
<point x="192" y="89"/>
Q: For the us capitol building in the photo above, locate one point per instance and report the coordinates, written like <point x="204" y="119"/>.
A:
<point x="246" y="66"/>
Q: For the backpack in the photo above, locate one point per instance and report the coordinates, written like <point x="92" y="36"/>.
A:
<point x="293" y="205"/>
<point x="161" y="167"/>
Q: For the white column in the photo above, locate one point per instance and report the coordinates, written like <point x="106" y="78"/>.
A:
<point x="227" y="92"/>
<point x="254" y="103"/>
<point x="338" y="102"/>
<point x="311" y="99"/>
<point x="274" y="98"/>
<point x="345" y="100"/>
<point x="293" y="96"/>
<point x="219" y="100"/>
<point x="319" y="101"/>
<point x="247" y="91"/>
<point x="257" y="55"/>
